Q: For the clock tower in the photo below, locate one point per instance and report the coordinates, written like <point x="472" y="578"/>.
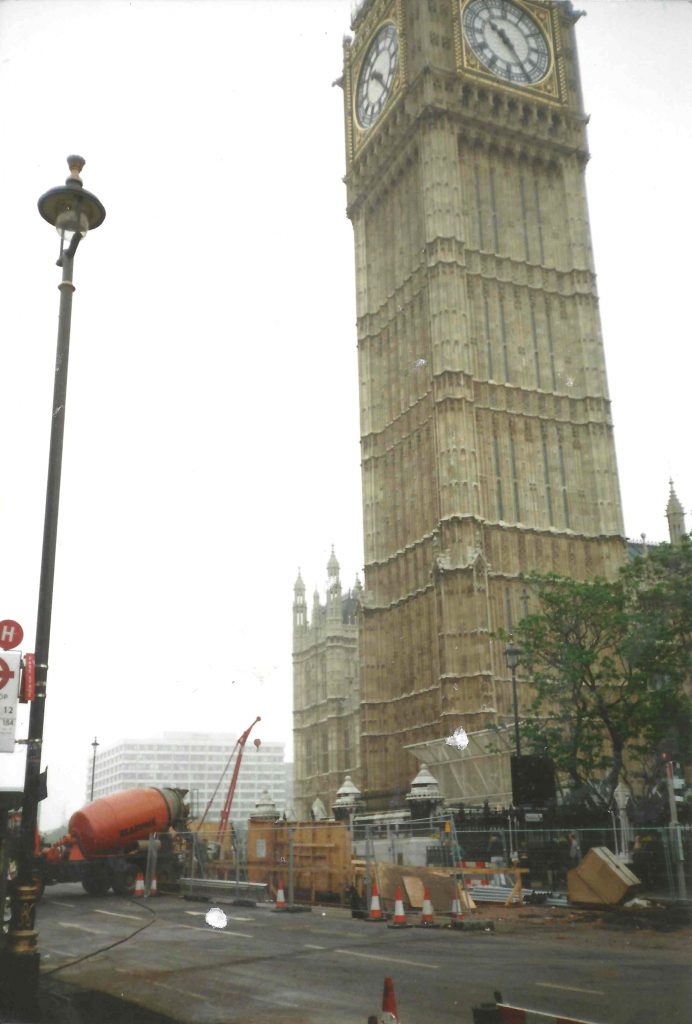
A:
<point x="486" y="436"/>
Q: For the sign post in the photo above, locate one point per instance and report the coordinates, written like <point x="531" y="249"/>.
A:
<point x="10" y="673"/>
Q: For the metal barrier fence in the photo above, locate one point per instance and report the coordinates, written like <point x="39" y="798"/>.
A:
<point x="660" y="857"/>
<point x="316" y="858"/>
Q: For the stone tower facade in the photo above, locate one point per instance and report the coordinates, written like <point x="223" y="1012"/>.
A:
<point x="486" y="437"/>
<point x="325" y="691"/>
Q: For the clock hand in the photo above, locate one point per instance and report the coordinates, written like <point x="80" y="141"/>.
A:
<point x="510" y="46"/>
<point x="378" y="76"/>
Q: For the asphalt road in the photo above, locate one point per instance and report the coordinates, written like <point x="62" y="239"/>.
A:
<point x="272" y="968"/>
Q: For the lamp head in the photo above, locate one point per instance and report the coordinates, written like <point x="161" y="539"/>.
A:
<point x="69" y="207"/>
<point x="512" y="655"/>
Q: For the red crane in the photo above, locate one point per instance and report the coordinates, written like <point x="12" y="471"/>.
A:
<point x="225" y="814"/>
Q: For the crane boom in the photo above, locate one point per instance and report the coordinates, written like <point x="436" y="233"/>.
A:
<point x="239" y="744"/>
<point x="223" y="822"/>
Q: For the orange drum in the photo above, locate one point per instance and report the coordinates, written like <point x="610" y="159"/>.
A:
<point x="115" y="824"/>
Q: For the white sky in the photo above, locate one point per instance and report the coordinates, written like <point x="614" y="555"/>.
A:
<point x="212" y="438"/>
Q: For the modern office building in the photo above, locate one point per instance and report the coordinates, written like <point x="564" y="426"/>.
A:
<point x="196" y="762"/>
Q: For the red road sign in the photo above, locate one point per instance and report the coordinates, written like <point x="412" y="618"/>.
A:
<point x="11" y="634"/>
<point x="28" y="689"/>
<point x="6" y="674"/>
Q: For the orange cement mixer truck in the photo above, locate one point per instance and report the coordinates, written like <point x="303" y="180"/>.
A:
<point x="107" y="844"/>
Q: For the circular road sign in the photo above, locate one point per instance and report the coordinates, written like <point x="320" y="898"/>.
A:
<point x="11" y="634"/>
<point x="6" y="674"/>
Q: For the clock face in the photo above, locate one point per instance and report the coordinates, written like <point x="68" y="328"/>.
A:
<point x="376" y="77"/>
<point x="506" y="40"/>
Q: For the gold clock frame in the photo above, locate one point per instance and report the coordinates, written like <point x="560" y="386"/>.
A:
<point x="379" y="14"/>
<point x="551" y="88"/>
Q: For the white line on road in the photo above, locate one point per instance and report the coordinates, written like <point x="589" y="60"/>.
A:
<point x="112" y="913"/>
<point x="309" y="945"/>
<point x="59" y="903"/>
<point x="217" y="931"/>
<point x="570" y="988"/>
<point x="229" y="917"/>
<point x="81" y="927"/>
<point x="389" y="959"/>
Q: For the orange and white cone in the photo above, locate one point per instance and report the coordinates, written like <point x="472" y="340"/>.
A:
<point x="139" y="884"/>
<point x="399" y="919"/>
<point x="457" y="911"/>
<point x="153" y="888"/>
<point x="280" y="902"/>
<point x="426" y="918"/>
<point x="375" y="908"/>
<point x="390" y="1013"/>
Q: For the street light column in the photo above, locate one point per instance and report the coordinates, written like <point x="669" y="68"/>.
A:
<point x="513" y="657"/>
<point x="93" y="767"/>
<point x="73" y="211"/>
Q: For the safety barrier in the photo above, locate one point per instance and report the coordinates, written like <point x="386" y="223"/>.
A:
<point x="212" y="888"/>
<point x="503" y="1013"/>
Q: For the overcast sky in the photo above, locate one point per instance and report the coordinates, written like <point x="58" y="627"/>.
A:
<point x="212" y="437"/>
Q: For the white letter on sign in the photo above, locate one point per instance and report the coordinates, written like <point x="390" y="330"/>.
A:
<point x="7" y="633"/>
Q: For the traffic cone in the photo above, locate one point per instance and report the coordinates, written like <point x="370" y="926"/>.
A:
<point x="139" y="884"/>
<point x="153" y="888"/>
<point x="280" y="902"/>
<point x="426" y="918"/>
<point x="390" y="1013"/>
<point x="457" y="911"/>
<point x="399" y="919"/>
<point x="375" y="909"/>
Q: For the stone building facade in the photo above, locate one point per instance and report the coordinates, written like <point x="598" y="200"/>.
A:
<point x="486" y="436"/>
<point x="326" y="694"/>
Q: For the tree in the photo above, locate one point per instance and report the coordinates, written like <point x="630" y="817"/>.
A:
<point x="608" y="663"/>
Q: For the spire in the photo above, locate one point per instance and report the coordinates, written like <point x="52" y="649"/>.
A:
<point x="332" y="568"/>
<point x="675" y="514"/>
<point x="333" y="589"/>
<point x="300" y="618"/>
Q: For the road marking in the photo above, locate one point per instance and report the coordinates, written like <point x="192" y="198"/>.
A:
<point x="309" y="945"/>
<point x="389" y="959"/>
<point x="229" y="917"/>
<point x="217" y="931"/>
<point x="82" y="928"/>
<point x="569" y="988"/>
<point x="112" y="913"/>
<point x="59" y="903"/>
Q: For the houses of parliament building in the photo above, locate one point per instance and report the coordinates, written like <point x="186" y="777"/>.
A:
<point x="487" y="444"/>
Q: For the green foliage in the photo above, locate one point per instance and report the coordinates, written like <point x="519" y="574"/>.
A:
<point x="607" y="661"/>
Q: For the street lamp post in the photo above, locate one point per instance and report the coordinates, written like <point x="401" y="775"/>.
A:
<point x="73" y="211"/>
<point x="513" y="657"/>
<point x="93" y="767"/>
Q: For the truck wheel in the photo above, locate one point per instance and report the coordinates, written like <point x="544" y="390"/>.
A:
<point x="124" y="881"/>
<point x="95" y="881"/>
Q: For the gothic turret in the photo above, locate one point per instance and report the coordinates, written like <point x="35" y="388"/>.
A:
<point x="675" y="515"/>
<point x="300" y="617"/>
<point x="333" y="589"/>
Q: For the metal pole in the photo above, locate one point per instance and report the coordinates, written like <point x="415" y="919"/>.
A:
<point x="516" y="711"/>
<point x="93" y="767"/>
<point x="21" y="954"/>
<point x="675" y="836"/>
